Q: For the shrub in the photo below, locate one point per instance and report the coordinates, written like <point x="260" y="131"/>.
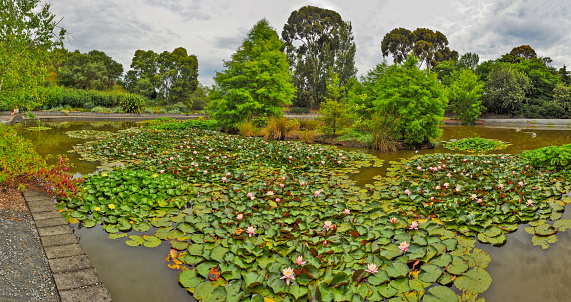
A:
<point x="149" y="110"/>
<point x="132" y="103"/>
<point x="116" y="110"/>
<point x="550" y="158"/>
<point x="336" y="117"/>
<point x="89" y="105"/>
<point x="309" y="125"/>
<point x="385" y="132"/>
<point x="308" y="136"/>
<point x="188" y="124"/>
<point x="476" y="144"/>
<point x="101" y="109"/>
<point x="21" y="165"/>
<point x="174" y="111"/>
<point x="279" y="127"/>
<point x="299" y="110"/>
<point x="247" y="128"/>
<point x="158" y="121"/>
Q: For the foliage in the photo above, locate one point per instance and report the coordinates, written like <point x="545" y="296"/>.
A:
<point x="247" y="128"/>
<point x="317" y="41"/>
<point x="336" y="117"/>
<point x="431" y="47"/>
<point x="249" y="221"/>
<point x="170" y="77"/>
<point x="256" y="81"/>
<point x="21" y="166"/>
<point x="524" y="51"/>
<point x="476" y="144"/>
<point x="299" y="110"/>
<point x="188" y="124"/>
<point x="385" y="132"/>
<point x="545" y="108"/>
<point x="26" y="37"/>
<point x="562" y="96"/>
<point x="278" y="128"/>
<point x="157" y="121"/>
<point x="132" y="103"/>
<point x="416" y="97"/>
<point x="334" y="112"/>
<point x="465" y="96"/>
<point x="93" y="70"/>
<point x="53" y="97"/>
<point x="199" y="98"/>
<point x="469" y="60"/>
<point x="505" y="89"/>
<point x="550" y="158"/>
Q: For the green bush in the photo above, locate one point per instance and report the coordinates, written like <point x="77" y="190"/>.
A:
<point x="550" y="158"/>
<point x="89" y="105"/>
<point x="476" y="144"/>
<point x="132" y="103"/>
<point x="299" y="110"/>
<point x="101" y="109"/>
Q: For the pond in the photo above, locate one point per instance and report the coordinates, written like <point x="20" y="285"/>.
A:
<point x="521" y="271"/>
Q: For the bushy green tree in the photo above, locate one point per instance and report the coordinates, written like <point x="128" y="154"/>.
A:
<point x="465" y="96"/>
<point x="93" y="70"/>
<point x="334" y="112"/>
<point x="318" y="41"/>
<point x="416" y="97"/>
<point x="562" y="97"/>
<point x="256" y="82"/>
<point x="506" y="89"/>
<point x="27" y="35"/>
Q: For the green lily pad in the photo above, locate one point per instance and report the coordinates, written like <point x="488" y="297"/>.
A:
<point x="476" y="280"/>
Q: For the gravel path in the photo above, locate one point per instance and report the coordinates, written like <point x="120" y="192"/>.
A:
<point x="24" y="269"/>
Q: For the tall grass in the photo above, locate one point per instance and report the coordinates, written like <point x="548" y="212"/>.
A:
<point x="384" y="131"/>
<point x="247" y="128"/>
<point x="278" y="128"/>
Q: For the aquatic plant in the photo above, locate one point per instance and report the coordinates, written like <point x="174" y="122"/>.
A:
<point x="476" y="144"/>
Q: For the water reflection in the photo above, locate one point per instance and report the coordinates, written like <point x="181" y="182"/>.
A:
<point x="520" y="271"/>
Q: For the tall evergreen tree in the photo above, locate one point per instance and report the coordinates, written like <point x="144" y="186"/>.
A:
<point x="256" y="81"/>
<point x="318" y="41"/>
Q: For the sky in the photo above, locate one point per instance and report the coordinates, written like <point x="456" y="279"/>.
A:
<point x="213" y="30"/>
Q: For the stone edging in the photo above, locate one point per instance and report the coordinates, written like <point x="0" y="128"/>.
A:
<point x="75" y="277"/>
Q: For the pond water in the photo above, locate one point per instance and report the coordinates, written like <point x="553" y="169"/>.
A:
<point x="521" y="271"/>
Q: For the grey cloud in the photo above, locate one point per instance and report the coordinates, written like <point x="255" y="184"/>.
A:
<point x="189" y="10"/>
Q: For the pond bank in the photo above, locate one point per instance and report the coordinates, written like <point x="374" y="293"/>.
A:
<point x="44" y="259"/>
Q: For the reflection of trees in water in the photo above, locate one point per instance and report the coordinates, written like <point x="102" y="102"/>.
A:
<point x="55" y="141"/>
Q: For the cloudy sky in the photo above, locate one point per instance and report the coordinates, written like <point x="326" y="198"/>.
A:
<point x="212" y="30"/>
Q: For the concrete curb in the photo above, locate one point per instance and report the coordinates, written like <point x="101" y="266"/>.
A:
<point x="75" y="277"/>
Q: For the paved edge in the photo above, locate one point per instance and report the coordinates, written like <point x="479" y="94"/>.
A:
<point x="75" y="277"/>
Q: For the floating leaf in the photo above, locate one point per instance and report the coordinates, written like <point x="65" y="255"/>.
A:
<point x="441" y="294"/>
<point x="544" y="241"/>
<point x="476" y="280"/>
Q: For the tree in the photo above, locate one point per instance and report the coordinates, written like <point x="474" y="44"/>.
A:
<point x="94" y="70"/>
<point x="26" y="38"/>
<point x="465" y="96"/>
<point x="317" y="40"/>
<point x="506" y="89"/>
<point x="256" y="81"/>
<point x="398" y="43"/>
<point x="178" y="76"/>
<point x="524" y="51"/>
<point x="199" y="98"/>
<point x="416" y="97"/>
<point x="562" y="96"/>
<point x="170" y="77"/>
<point x="469" y="60"/>
<point x="431" y="47"/>
<point x="334" y="111"/>
<point x="564" y="75"/>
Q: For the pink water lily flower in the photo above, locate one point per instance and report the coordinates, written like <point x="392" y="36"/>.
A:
<point x="372" y="268"/>
<point x="240" y="216"/>
<point x="327" y="225"/>
<point x="419" y="168"/>
<point x="501" y="186"/>
<point x="317" y="193"/>
<point x="404" y="246"/>
<point x="437" y="188"/>
<point x="251" y="231"/>
<point x="407" y="192"/>
<point x="270" y="193"/>
<point x="347" y="211"/>
<point x="393" y="220"/>
<point x="288" y="275"/>
<point x="299" y="260"/>
<point x="446" y="184"/>
<point x="223" y="179"/>
<point x="529" y="202"/>
<point x="413" y="226"/>
<point x="250" y="194"/>
<point x="520" y="183"/>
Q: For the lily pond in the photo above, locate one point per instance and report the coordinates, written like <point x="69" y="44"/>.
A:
<point x="167" y="213"/>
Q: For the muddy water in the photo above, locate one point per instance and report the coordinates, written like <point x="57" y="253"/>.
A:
<point x="520" y="271"/>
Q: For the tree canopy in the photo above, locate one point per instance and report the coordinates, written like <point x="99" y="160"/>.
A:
<point x="256" y="81"/>
<point x="317" y="42"/>
<point x="27" y="35"/>
<point x="94" y="70"/>
<point x="431" y="47"/>
<point x="170" y="77"/>
<point x="416" y="97"/>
